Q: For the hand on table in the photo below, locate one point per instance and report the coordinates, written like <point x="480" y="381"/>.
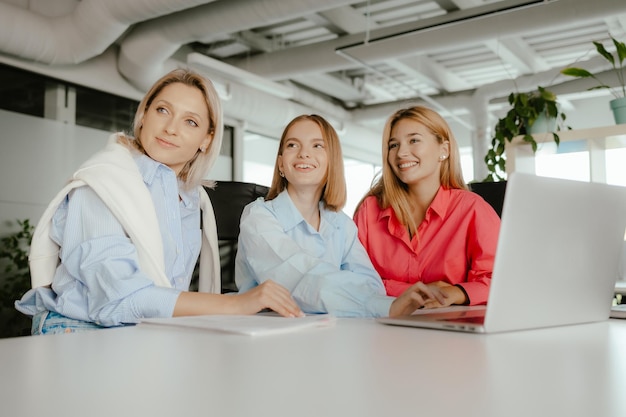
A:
<point x="269" y="295"/>
<point x="420" y="295"/>
<point x="451" y="294"/>
<point x="413" y="298"/>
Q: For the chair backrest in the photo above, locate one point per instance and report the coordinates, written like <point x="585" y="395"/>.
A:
<point x="492" y="192"/>
<point x="228" y="199"/>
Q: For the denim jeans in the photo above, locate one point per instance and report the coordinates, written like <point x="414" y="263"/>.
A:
<point x="50" y="322"/>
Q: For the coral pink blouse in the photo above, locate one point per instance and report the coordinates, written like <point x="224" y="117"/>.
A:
<point x="455" y="243"/>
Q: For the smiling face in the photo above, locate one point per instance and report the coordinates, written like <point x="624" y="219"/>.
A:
<point x="175" y="126"/>
<point x="304" y="160"/>
<point x="415" y="154"/>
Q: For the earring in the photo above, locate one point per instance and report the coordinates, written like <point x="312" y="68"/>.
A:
<point x="442" y="157"/>
<point x="281" y="173"/>
<point x="202" y="148"/>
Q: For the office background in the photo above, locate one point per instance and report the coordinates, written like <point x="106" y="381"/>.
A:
<point x="71" y="72"/>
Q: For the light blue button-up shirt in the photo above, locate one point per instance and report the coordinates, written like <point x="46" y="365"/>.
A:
<point x="99" y="278"/>
<point x="326" y="271"/>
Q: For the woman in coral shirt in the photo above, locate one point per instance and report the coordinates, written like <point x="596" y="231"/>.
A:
<point x="419" y="222"/>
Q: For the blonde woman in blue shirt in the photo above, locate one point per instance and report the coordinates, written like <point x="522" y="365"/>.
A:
<point x="299" y="237"/>
<point x="121" y="240"/>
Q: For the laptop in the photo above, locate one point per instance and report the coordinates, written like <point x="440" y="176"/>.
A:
<point x="556" y="261"/>
<point x="618" y="311"/>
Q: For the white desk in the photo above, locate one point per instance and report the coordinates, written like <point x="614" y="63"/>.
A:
<point x="356" y="368"/>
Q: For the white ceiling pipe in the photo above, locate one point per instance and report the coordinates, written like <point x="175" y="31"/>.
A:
<point x="317" y="103"/>
<point x="88" y="31"/>
<point x="233" y="76"/>
<point x="150" y="44"/>
<point x="263" y="109"/>
<point x="273" y="113"/>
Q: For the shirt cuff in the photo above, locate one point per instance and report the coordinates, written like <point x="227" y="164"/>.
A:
<point x="467" y="298"/>
<point x="154" y="302"/>
<point x="379" y="305"/>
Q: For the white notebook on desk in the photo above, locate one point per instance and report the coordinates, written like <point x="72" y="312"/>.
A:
<point x="556" y="262"/>
<point x="250" y="325"/>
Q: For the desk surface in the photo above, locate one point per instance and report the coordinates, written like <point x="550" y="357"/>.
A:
<point x="356" y="368"/>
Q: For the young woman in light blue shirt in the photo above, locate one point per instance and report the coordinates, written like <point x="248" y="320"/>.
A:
<point x="299" y="237"/>
<point x="120" y="242"/>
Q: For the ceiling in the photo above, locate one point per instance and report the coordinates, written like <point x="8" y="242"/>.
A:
<point x="351" y="59"/>
<point x="404" y="69"/>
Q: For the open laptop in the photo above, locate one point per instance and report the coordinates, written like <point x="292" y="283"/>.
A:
<point x="556" y="261"/>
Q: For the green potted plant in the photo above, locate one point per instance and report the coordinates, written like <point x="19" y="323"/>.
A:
<point x="14" y="280"/>
<point x="618" y="105"/>
<point x="527" y="109"/>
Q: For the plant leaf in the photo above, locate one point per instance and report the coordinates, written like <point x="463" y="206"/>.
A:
<point x="621" y="49"/>
<point x="547" y="95"/>
<point x="576" y="72"/>
<point x="598" y="87"/>
<point x="602" y="51"/>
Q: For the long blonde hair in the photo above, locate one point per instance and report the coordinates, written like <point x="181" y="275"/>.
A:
<point x="388" y="188"/>
<point x="197" y="167"/>
<point x="334" y="192"/>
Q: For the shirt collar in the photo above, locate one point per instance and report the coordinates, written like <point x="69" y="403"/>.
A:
<point x="189" y="197"/>
<point x="148" y="167"/>
<point x="151" y="169"/>
<point x="289" y="216"/>
<point x="439" y="205"/>
<point x="441" y="201"/>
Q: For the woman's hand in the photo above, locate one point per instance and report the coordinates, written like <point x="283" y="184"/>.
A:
<point x="414" y="297"/>
<point x="434" y="295"/>
<point x="451" y="294"/>
<point x="268" y="295"/>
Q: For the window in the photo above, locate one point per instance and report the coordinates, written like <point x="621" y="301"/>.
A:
<point x="25" y="92"/>
<point x="259" y="155"/>
<point x="596" y="154"/>
<point x="21" y="91"/>
<point x="467" y="163"/>
<point x="569" y="161"/>
<point x="359" y="176"/>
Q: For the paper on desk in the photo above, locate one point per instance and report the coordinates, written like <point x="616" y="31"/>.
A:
<point x="256" y="325"/>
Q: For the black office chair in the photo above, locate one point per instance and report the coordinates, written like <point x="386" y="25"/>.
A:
<point x="492" y="192"/>
<point x="228" y="199"/>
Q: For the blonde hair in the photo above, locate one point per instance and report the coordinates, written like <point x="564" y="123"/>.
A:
<point x="197" y="167"/>
<point x="334" y="191"/>
<point x="388" y="188"/>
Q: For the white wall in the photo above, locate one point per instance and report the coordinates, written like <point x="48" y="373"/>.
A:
<point x="38" y="156"/>
<point x="589" y="112"/>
